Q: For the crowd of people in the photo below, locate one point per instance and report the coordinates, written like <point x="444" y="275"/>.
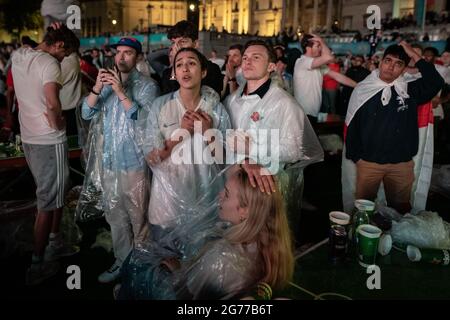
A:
<point x="199" y="163"/>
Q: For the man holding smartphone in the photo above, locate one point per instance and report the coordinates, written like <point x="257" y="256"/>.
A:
<point x="114" y="105"/>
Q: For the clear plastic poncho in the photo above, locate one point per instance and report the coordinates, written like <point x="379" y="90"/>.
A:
<point x="116" y="172"/>
<point x="211" y="267"/>
<point x="282" y="139"/>
<point x="181" y="180"/>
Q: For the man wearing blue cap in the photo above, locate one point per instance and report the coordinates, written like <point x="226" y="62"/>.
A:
<point x="113" y="105"/>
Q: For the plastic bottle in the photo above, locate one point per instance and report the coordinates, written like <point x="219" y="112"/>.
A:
<point x="361" y="217"/>
<point x="434" y="256"/>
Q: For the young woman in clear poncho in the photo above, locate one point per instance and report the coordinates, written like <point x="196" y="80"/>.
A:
<point x="173" y="136"/>
<point x="228" y="262"/>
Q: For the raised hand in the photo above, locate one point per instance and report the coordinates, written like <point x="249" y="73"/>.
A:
<point x="112" y="78"/>
<point x="410" y="51"/>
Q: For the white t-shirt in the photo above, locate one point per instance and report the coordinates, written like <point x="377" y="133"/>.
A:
<point x="445" y="74"/>
<point x="31" y="70"/>
<point x="70" y="93"/>
<point x="220" y="62"/>
<point x="308" y="85"/>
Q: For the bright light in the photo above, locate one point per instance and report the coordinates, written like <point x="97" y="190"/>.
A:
<point x="192" y="7"/>
<point x="114" y="22"/>
<point x="36" y="33"/>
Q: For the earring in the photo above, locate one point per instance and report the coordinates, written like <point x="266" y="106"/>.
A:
<point x="241" y="219"/>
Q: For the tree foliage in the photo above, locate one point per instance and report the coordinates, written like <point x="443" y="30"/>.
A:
<point x="18" y="15"/>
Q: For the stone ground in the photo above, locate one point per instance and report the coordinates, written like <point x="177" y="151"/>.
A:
<point x="322" y="191"/>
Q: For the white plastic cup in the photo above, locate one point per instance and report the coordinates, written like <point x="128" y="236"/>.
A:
<point x="365" y="205"/>
<point x="385" y="244"/>
<point x="340" y="218"/>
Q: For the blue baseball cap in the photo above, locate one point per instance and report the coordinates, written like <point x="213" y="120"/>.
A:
<point x="129" y="42"/>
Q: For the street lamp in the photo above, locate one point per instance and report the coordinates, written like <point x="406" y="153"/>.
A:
<point x="275" y="12"/>
<point x="192" y="7"/>
<point x="149" y="16"/>
<point x="204" y="15"/>
<point x="114" y="22"/>
<point x="149" y="19"/>
<point x="299" y="32"/>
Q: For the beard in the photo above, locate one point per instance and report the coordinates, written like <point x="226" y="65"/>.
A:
<point x="125" y="67"/>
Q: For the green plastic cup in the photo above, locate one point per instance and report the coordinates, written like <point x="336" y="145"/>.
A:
<point x="368" y="239"/>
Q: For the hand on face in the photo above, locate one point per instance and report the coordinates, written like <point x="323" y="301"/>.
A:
<point x="230" y="71"/>
<point x="174" y="48"/>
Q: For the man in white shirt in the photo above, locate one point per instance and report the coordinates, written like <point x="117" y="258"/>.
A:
<point x="70" y="93"/>
<point x="261" y="107"/>
<point x="430" y="54"/>
<point x="37" y="82"/>
<point x="214" y="59"/>
<point x="309" y="71"/>
<point x="233" y="73"/>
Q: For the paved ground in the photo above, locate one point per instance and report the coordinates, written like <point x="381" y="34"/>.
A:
<point x="322" y="190"/>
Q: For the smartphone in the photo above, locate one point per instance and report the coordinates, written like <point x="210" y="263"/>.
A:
<point x="106" y="72"/>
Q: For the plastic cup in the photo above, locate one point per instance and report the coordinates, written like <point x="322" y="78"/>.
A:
<point x="365" y="205"/>
<point x="338" y="236"/>
<point x="339" y="218"/>
<point x="385" y="244"/>
<point x="368" y="239"/>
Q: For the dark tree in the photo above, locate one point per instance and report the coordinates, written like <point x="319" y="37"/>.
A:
<point x="18" y="15"/>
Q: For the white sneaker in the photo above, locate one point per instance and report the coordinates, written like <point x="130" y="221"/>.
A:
<point x="38" y="272"/>
<point x="56" y="250"/>
<point x="111" y="274"/>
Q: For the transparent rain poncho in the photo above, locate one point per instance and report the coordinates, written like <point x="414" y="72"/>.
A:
<point x="116" y="168"/>
<point x="211" y="266"/>
<point x="90" y="202"/>
<point x="179" y="181"/>
<point x="282" y="139"/>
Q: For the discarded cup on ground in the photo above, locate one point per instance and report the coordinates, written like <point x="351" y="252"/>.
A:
<point x="368" y="239"/>
<point x="365" y="205"/>
<point x="385" y="244"/>
<point x="434" y="256"/>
